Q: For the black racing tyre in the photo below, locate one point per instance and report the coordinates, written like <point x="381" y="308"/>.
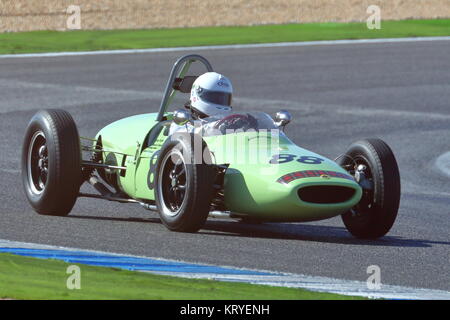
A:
<point x="51" y="162"/>
<point x="184" y="183"/>
<point x="375" y="214"/>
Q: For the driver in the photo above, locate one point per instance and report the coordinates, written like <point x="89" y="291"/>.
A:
<point x="211" y="95"/>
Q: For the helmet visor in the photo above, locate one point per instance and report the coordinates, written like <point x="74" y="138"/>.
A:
<point x="216" y="97"/>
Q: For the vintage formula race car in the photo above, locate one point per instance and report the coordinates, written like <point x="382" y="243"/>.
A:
<point x="241" y="165"/>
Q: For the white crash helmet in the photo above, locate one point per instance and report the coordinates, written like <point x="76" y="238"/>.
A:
<point x="211" y="94"/>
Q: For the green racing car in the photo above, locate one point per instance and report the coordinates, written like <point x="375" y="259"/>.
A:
<point x="188" y="166"/>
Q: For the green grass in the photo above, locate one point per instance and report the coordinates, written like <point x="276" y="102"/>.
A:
<point x="30" y="278"/>
<point x="54" y="41"/>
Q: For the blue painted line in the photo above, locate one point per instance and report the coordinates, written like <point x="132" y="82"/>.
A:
<point x="201" y="271"/>
<point x="126" y="262"/>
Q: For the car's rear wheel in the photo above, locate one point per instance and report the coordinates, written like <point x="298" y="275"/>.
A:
<point x="375" y="167"/>
<point x="51" y="162"/>
<point x="184" y="185"/>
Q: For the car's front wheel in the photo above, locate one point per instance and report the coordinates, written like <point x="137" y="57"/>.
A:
<point x="184" y="184"/>
<point x="374" y="166"/>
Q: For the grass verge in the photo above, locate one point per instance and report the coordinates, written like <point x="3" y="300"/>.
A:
<point x="31" y="278"/>
<point x="54" y="41"/>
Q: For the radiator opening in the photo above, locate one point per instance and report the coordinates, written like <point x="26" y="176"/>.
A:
<point x="325" y="194"/>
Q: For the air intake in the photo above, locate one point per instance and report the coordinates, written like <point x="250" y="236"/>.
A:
<point x="325" y="194"/>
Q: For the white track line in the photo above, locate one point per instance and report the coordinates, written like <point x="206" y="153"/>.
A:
<point x="220" y="47"/>
<point x="330" y="285"/>
<point x="313" y="283"/>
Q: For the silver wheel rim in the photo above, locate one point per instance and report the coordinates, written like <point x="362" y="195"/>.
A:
<point x="177" y="181"/>
<point x="37" y="163"/>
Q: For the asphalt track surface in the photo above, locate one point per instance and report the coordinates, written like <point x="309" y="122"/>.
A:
<point x="399" y="92"/>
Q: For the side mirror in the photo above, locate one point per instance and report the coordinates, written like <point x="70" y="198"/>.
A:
<point x="181" y="117"/>
<point x="282" y="118"/>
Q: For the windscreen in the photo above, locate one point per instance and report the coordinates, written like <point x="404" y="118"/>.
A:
<point x="238" y="122"/>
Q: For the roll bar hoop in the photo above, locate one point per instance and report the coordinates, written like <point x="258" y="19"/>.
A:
<point x="179" y="70"/>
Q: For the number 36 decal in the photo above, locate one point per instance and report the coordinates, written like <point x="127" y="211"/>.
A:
<point x="285" y="158"/>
